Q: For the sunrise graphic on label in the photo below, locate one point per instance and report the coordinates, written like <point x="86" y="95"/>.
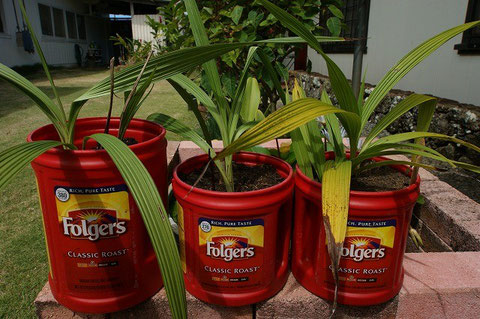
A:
<point x="93" y="224"/>
<point x="229" y="248"/>
<point x="368" y="240"/>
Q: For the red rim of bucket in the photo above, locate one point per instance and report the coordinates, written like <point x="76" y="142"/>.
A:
<point x="57" y="150"/>
<point x="204" y="157"/>
<point x="401" y="168"/>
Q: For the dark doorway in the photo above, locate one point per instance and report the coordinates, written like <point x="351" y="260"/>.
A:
<point x="119" y="25"/>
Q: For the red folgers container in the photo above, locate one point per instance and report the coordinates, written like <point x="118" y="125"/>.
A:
<point x="99" y="252"/>
<point x="234" y="246"/>
<point x="371" y="268"/>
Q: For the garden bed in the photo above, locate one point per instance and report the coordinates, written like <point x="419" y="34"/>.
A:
<point x="437" y="284"/>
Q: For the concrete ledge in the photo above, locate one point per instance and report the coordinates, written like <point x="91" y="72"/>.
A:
<point x="188" y="149"/>
<point x="453" y="216"/>
<point x="437" y="285"/>
<point x="155" y="307"/>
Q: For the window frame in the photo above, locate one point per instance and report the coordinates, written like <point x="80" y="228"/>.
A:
<point x="75" y="28"/>
<point x="66" y="37"/>
<point x="347" y="46"/>
<point x="470" y="44"/>
<point x="77" y="15"/>
<point x="63" y="22"/>
<point x="3" y="23"/>
<point x="51" y="20"/>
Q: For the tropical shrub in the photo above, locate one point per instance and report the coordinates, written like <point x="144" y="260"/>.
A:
<point x="246" y="21"/>
<point x="233" y="111"/>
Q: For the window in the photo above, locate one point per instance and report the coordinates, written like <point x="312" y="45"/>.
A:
<point x="350" y="12"/>
<point x="71" y="25"/>
<point x="2" y="18"/>
<point x="58" y="22"/>
<point x="45" y="19"/>
<point x="471" y="38"/>
<point x="82" y="33"/>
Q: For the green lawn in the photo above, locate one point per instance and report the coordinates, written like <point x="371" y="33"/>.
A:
<point x="23" y="262"/>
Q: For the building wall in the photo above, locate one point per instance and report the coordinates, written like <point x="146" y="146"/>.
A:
<point x="58" y="51"/>
<point x="140" y="29"/>
<point x="395" y="27"/>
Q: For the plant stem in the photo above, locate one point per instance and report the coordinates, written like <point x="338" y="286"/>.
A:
<point x="112" y="86"/>
<point x="278" y="148"/>
<point x="212" y="174"/>
<point x="134" y="88"/>
<point x="416" y="159"/>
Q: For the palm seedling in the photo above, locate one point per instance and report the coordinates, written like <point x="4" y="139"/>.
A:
<point x="335" y="174"/>
<point x="233" y="114"/>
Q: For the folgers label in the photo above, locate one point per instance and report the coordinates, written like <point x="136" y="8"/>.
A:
<point x="93" y="224"/>
<point x="231" y="252"/>
<point x="96" y="242"/>
<point x="367" y="253"/>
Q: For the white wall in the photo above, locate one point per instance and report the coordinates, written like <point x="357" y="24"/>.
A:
<point x="395" y="27"/>
<point x="58" y="51"/>
<point x="140" y="29"/>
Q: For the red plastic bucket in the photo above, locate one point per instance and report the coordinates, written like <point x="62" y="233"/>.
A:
<point x="100" y="256"/>
<point x="371" y="268"/>
<point x="234" y="246"/>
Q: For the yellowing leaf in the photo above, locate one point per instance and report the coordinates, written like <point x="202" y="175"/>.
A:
<point x="297" y="92"/>
<point x="335" y="203"/>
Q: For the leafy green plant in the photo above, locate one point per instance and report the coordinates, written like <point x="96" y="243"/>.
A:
<point x="132" y="50"/>
<point x="246" y="21"/>
<point x="233" y="112"/>
<point x="335" y="175"/>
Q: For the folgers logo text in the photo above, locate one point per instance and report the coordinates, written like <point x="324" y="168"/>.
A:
<point x="363" y="248"/>
<point x="229" y="248"/>
<point x="93" y="224"/>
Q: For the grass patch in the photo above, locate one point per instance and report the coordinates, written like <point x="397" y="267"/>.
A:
<point x="23" y="260"/>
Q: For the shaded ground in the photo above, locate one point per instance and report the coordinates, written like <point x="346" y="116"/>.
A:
<point x="23" y="262"/>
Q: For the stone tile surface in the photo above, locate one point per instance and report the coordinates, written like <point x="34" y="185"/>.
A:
<point x="156" y="307"/>
<point x="453" y="216"/>
<point x="436" y="285"/>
